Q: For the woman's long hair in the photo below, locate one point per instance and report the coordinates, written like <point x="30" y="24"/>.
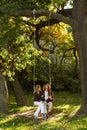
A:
<point x="48" y="87"/>
<point x="36" y="88"/>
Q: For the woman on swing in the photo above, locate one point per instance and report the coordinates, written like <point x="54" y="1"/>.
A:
<point x="48" y="97"/>
<point x="39" y="102"/>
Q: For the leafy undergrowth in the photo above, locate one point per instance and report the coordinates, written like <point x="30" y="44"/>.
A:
<point x="63" y="117"/>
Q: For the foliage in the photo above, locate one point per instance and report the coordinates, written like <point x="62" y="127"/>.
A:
<point x="63" y="59"/>
<point x="18" y="54"/>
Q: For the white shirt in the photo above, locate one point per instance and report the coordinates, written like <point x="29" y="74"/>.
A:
<point x="46" y="95"/>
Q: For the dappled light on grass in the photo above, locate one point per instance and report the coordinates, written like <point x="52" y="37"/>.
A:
<point x="74" y="111"/>
<point x="63" y="117"/>
<point x="26" y="108"/>
<point x="64" y="106"/>
<point x="60" y="118"/>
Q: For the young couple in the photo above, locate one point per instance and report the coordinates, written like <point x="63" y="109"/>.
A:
<point x="43" y="100"/>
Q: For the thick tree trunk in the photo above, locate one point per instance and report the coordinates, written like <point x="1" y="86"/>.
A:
<point x="3" y="95"/>
<point x="80" y="36"/>
<point x="18" y="91"/>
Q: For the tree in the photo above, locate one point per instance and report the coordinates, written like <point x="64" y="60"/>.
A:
<point x="19" y="94"/>
<point x="3" y="95"/>
<point x="77" y="18"/>
<point x="79" y="26"/>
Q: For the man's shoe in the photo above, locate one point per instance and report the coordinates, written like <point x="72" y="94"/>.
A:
<point x="45" y="116"/>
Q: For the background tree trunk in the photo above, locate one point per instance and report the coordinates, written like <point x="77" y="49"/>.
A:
<point x="3" y="95"/>
<point x="18" y="91"/>
<point x="80" y="36"/>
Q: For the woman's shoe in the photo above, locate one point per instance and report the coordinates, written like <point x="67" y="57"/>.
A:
<point x="34" y="117"/>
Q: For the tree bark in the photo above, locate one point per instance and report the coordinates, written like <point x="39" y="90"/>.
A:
<point x="18" y="92"/>
<point x="80" y="36"/>
<point x="3" y="95"/>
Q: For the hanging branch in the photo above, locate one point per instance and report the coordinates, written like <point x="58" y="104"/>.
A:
<point x="64" y="54"/>
<point x="37" y="42"/>
<point x="38" y="27"/>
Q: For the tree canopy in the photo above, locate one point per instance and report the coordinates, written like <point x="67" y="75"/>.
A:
<point x="21" y="25"/>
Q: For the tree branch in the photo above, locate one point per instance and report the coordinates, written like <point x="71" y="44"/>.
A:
<point x="55" y="16"/>
<point x="37" y="13"/>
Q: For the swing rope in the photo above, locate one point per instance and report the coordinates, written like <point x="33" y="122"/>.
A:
<point x="49" y="54"/>
<point x="49" y="49"/>
<point x="34" y="55"/>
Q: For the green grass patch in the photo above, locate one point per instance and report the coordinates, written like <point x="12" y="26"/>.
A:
<point x="63" y="117"/>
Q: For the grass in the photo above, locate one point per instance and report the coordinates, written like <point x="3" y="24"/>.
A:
<point x="63" y="117"/>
